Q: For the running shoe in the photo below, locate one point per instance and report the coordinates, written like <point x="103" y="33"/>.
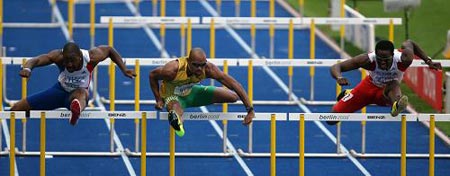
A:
<point x="75" y="108"/>
<point x="176" y="124"/>
<point x="399" y="106"/>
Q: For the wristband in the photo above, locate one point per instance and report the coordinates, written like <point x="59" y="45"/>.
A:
<point x="249" y="109"/>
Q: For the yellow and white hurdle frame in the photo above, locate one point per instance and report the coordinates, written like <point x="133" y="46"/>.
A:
<point x="272" y="117"/>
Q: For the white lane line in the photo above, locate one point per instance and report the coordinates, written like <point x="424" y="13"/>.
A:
<point x="246" y="47"/>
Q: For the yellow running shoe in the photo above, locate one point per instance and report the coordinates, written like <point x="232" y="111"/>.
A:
<point x="176" y="123"/>
<point x="399" y="106"/>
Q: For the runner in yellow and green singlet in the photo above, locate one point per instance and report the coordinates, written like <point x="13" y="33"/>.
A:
<point x="180" y="88"/>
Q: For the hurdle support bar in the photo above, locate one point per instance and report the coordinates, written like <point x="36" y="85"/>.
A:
<point x="396" y="155"/>
<point x="255" y="102"/>
<point x="227" y="154"/>
<point x="56" y="153"/>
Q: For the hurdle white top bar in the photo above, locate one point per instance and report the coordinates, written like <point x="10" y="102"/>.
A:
<point x="7" y="114"/>
<point x="304" y="21"/>
<point x="149" y="20"/>
<point x="225" y="116"/>
<point x="95" y="114"/>
<point x="250" y="20"/>
<point x="351" y="117"/>
<point x="437" y="117"/>
<point x="377" y="21"/>
<point x="282" y="62"/>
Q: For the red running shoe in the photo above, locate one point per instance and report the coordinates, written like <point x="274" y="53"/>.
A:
<point x="75" y="108"/>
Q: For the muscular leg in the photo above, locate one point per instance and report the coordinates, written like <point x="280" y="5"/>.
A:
<point x="81" y="95"/>
<point x="223" y="95"/>
<point x="77" y="98"/>
<point x="175" y="105"/>
<point x="22" y="105"/>
<point x="176" y="116"/>
<point x="392" y="91"/>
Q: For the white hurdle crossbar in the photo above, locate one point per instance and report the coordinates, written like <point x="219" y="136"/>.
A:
<point x="85" y="115"/>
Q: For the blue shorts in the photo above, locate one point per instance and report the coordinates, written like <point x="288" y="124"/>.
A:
<point x="52" y="98"/>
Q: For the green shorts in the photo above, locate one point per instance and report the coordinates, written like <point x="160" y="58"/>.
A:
<point x="200" y="96"/>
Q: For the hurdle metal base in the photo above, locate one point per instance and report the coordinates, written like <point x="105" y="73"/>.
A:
<point x="396" y="155"/>
<point x="84" y="154"/>
<point x="292" y="155"/>
<point x="316" y="102"/>
<point x="180" y="154"/>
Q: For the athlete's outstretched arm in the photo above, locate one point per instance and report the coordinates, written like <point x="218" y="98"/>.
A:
<point x="102" y="52"/>
<point x="166" y="72"/>
<point x="214" y="72"/>
<point x="359" y="61"/>
<point x="410" y="48"/>
<point x="41" y="60"/>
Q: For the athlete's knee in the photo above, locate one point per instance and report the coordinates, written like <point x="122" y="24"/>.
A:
<point x="233" y="97"/>
<point x="21" y="105"/>
<point x="79" y="93"/>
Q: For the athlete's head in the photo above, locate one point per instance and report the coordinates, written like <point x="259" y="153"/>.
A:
<point x="384" y="51"/>
<point x="197" y="61"/>
<point x="72" y="57"/>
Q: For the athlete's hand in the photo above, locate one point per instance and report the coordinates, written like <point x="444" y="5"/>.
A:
<point x="434" y="65"/>
<point x="129" y="73"/>
<point x="159" y="104"/>
<point x="342" y="81"/>
<point x="248" y="118"/>
<point x="25" y="72"/>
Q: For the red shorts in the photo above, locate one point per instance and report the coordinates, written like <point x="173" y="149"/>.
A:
<point x="363" y="94"/>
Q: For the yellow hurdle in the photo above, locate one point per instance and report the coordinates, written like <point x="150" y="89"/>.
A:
<point x="70" y="12"/>
<point x="225" y="110"/>
<point x="403" y="147"/>
<point x="431" y="162"/>
<point x="144" y="145"/>
<point x="42" y="152"/>
<point x="250" y="97"/>
<point x="302" y="145"/>
<point x="172" y="151"/>
<point x="273" y="145"/>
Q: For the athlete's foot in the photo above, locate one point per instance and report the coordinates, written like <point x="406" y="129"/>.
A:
<point x="75" y="108"/>
<point x="176" y="123"/>
<point x="399" y="106"/>
<point x="332" y="122"/>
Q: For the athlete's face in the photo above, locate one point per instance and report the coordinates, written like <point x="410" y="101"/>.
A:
<point x="384" y="59"/>
<point x="197" y="64"/>
<point x="72" y="61"/>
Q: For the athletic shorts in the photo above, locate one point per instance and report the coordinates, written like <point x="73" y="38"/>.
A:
<point x="365" y="93"/>
<point x="199" y="96"/>
<point x="52" y="98"/>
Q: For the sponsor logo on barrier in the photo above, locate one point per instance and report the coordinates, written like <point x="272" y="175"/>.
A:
<point x="159" y="62"/>
<point x="376" y="117"/>
<point x="115" y="114"/>
<point x="314" y="62"/>
<point x="241" y="116"/>
<point x="68" y="114"/>
<point x="334" y="117"/>
<point x="204" y="116"/>
<point x="63" y="114"/>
